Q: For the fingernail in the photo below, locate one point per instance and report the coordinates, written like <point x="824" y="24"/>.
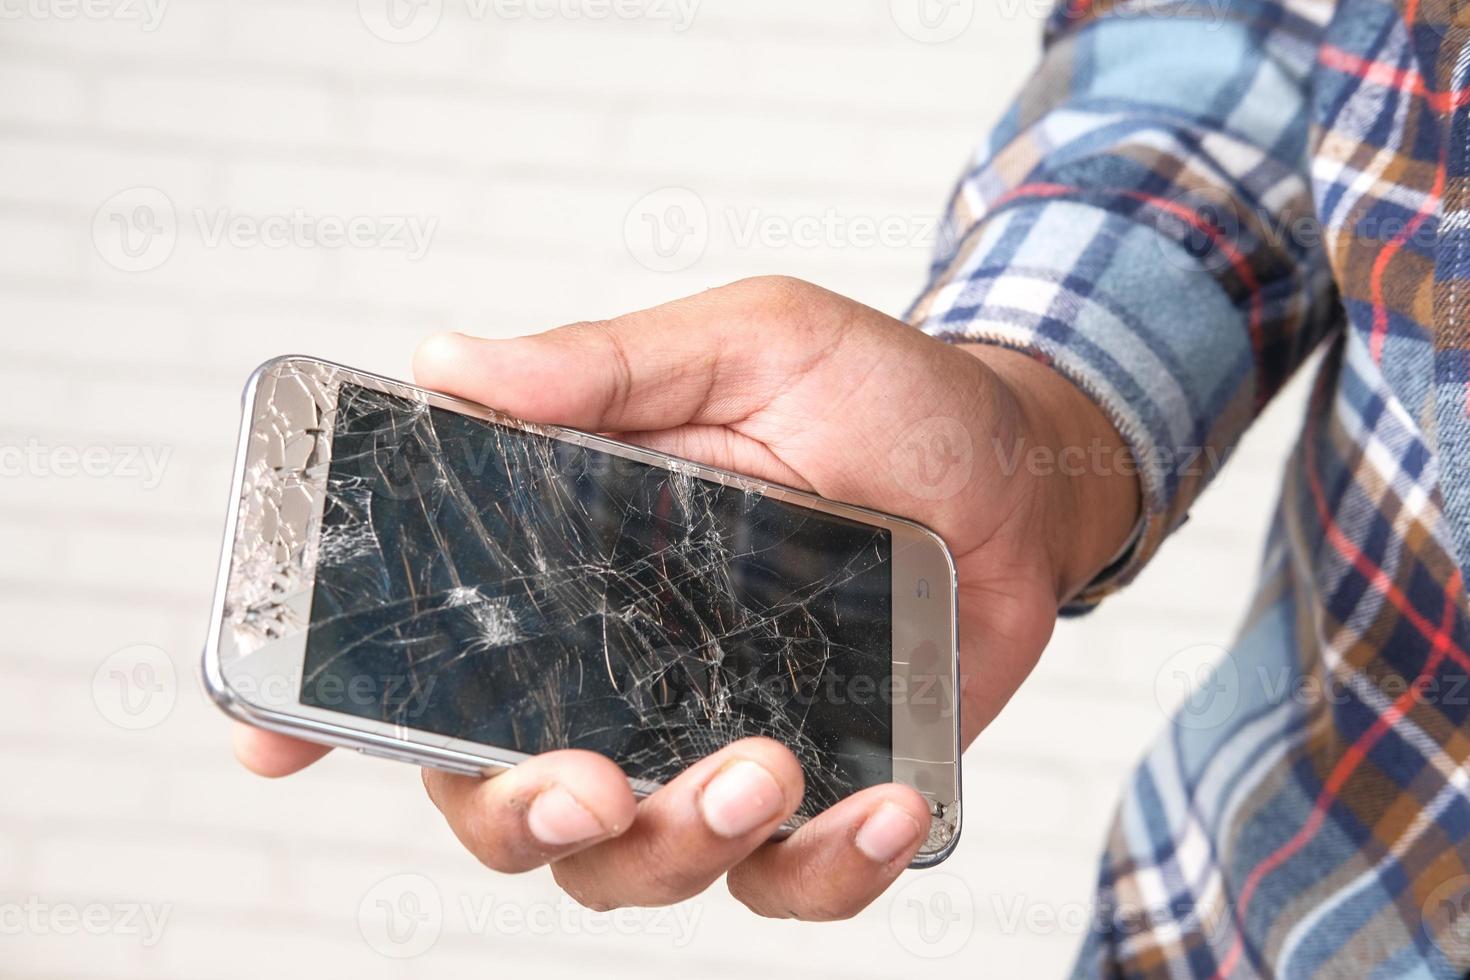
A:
<point x="557" y="819"/>
<point x="887" y="833"/>
<point x="740" y="798"/>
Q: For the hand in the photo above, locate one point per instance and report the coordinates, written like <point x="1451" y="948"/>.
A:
<point x="784" y="381"/>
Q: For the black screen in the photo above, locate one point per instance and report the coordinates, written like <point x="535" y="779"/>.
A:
<point x="516" y="590"/>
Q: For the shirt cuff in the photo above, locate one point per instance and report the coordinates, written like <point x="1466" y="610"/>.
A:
<point x="1128" y="316"/>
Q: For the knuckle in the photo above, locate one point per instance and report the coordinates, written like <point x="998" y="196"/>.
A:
<point x="820" y="897"/>
<point x="440" y="786"/>
<point x="668" y="878"/>
<point x="813" y="320"/>
<point x="491" y="851"/>
<point x="579" y="887"/>
<point x="776" y="291"/>
<point x="746" y="887"/>
<point x="621" y="386"/>
<point x="779" y="285"/>
<point x="581" y="328"/>
<point x="833" y="911"/>
<point x="484" y="833"/>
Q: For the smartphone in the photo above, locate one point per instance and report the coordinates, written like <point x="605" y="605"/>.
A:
<point x="429" y="580"/>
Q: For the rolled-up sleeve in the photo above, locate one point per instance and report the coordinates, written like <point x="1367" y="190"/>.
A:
<point x="1142" y="222"/>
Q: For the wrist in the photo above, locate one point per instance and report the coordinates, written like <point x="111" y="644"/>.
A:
<point x="1075" y="466"/>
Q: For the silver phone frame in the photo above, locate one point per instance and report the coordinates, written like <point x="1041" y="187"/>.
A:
<point x="937" y="779"/>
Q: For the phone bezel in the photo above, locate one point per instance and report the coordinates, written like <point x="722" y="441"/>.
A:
<point x="926" y="750"/>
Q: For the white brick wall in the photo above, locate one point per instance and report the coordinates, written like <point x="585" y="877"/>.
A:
<point x="526" y="142"/>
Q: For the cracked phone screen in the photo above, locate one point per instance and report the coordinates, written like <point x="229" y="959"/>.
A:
<point x="512" y="589"/>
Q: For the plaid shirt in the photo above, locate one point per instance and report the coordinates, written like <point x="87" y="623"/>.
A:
<point x="1189" y="198"/>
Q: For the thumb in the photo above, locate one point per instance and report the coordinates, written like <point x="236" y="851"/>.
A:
<point x="647" y="371"/>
